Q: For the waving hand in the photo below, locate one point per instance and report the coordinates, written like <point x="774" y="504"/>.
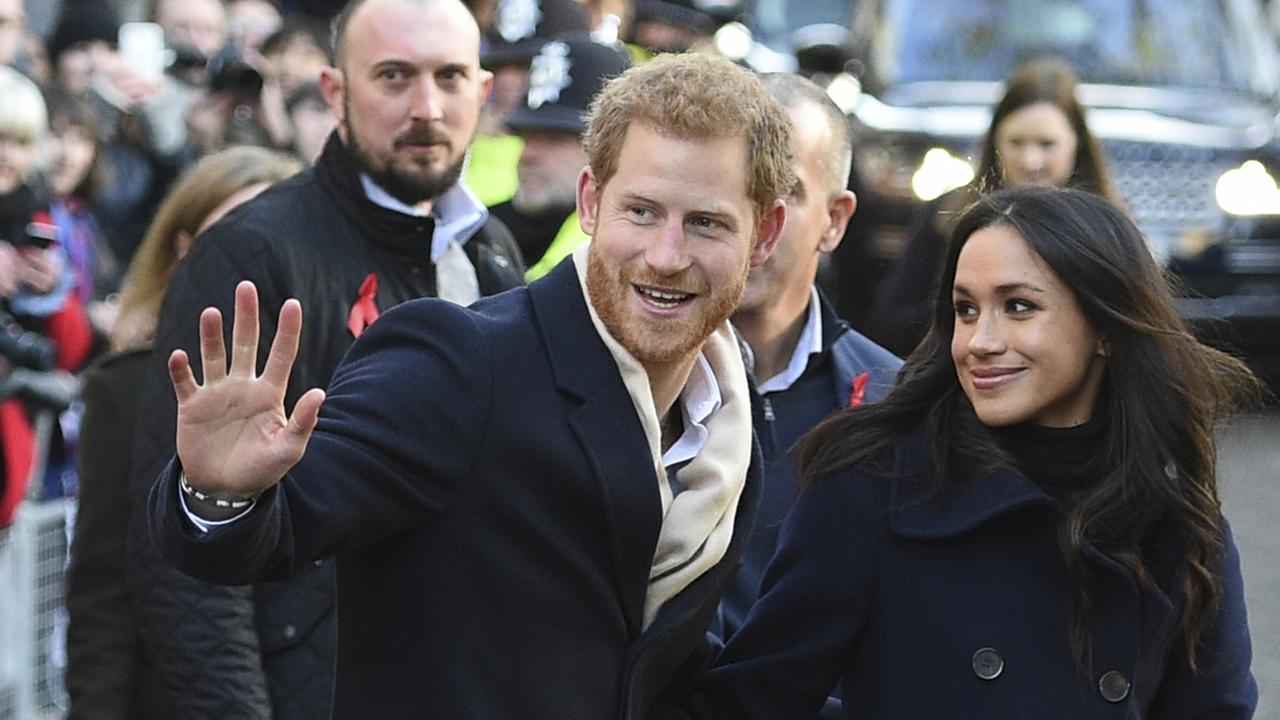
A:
<point x="234" y="439"/>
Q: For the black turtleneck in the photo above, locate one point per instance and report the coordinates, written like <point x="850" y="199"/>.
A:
<point x="1063" y="462"/>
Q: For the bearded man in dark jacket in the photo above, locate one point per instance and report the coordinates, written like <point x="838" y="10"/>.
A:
<point x="379" y="220"/>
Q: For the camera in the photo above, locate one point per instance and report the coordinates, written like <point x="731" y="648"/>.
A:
<point x="228" y="71"/>
<point x="24" y="348"/>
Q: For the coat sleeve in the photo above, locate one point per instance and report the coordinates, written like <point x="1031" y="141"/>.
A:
<point x="401" y="427"/>
<point x="200" y="639"/>
<point x="102" y="640"/>
<point x="787" y="657"/>
<point x="1223" y="686"/>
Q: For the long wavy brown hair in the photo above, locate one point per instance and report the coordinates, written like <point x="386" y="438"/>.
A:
<point x="1163" y="392"/>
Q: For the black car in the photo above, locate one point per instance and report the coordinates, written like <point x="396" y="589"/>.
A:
<point x="1183" y="94"/>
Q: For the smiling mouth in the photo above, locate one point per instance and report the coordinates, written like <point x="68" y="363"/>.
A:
<point x="663" y="299"/>
<point x="992" y="378"/>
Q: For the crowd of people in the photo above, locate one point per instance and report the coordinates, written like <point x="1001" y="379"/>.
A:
<point x="469" y="359"/>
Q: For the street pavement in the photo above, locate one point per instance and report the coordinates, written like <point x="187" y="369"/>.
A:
<point x="1249" y="481"/>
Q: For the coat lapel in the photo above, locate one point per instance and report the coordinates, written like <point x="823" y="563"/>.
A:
<point x="606" y="424"/>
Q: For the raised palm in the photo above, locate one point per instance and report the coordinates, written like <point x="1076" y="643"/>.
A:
<point x="234" y="439"/>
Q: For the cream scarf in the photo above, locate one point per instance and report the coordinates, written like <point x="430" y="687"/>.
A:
<point x="697" y="524"/>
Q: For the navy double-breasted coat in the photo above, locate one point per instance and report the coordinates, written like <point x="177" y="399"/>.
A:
<point x="955" y="605"/>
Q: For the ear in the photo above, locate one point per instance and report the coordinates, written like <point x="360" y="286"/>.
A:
<point x="770" y="230"/>
<point x="839" y="209"/>
<point x="486" y="85"/>
<point x="588" y="201"/>
<point x="333" y="87"/>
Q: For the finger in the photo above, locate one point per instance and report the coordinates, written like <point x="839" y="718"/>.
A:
<point x="184" y="383"/>
<point x="306" y="413"/>
<point x="213" y="354"/>
<point x="284" y="347"/>
<point x="244" y="331"/>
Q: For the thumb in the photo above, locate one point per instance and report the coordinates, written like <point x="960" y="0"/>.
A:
<point x="306" y="413"/>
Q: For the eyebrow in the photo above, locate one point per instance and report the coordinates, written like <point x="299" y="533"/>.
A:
<point x="1003" y="288"/>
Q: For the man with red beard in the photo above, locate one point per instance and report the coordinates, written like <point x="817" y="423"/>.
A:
<point x="380" y="219"/>
<point x="534" y="501"/>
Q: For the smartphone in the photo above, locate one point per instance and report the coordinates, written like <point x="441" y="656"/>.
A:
<point x="39" y="234"/>
<point x="142" y="49"/>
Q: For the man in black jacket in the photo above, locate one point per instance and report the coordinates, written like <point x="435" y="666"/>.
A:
<point x="379" y="220"/>
<point x="534" y="501"/>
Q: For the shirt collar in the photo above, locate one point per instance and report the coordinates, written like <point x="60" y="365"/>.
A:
<point x="458" y="213"/>
<point x="698" y="400"/>
<point x="809" y="344"/>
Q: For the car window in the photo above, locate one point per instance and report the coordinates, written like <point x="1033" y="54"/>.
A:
<point x="774" y="20"/>
<point x="1182" y="43"/>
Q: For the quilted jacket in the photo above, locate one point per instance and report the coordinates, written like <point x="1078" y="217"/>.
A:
<point x="267" y="650"/>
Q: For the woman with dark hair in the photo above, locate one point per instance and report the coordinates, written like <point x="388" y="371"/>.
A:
<point x="1037" y="136"/>
<point x="1028" y="525"/>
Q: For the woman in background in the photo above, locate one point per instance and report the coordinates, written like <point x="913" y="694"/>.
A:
<point x="1037" y="136"/>
<point x="1028" y="525"/>
<point x="108" y="668"/>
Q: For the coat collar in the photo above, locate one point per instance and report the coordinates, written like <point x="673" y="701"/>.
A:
<point x="339" y="174"/>
<point x="609" y="430"/>
<point x="921" y="508"/>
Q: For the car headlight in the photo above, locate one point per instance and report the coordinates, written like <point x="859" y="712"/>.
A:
<point x="1248" y="190"/>
<point x="939" y="172"/>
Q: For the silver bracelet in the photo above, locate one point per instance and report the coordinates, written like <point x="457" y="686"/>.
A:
<point x="216" y="501"/>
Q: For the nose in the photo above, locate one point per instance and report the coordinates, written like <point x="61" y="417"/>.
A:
<point x="666" y="253"/>
<point x="988" y="336"/>
<point x="1031" y="160"/>
<point x="426" y="106"/>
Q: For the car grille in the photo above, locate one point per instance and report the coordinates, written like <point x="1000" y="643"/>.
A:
<point x="1169" y="188"/>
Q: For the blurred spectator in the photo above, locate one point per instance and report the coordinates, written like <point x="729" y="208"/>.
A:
<point x="380" y="219"/>
<point x="31" y="259"/>
<point x="83" y="44"/>
<point x="194" y="29"/>
<point x="312" y="121"/>
<point x="13" y="27"/>
<point x="291" y="57"/>
<point x="1037" y="136"/>
<point x="110" y="672"/>
<point x="295" y="54"/>
<point x="251" y="22"/>
<point x="565" y="76"/>
<point x="230" y="110"/>
<point x="138" y="118"/>
<point x="34" y="287"/>
<point x="75" y="177"/>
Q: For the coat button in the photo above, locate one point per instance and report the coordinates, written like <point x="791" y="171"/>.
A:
<point x="1113" y="686"/>
<point x="987" y="664"/>
<point x="290" y="632"/>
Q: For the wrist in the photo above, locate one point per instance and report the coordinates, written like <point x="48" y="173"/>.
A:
<point x="211" y="506"/>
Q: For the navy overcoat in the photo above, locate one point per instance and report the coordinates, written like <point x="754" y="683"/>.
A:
<point x="485" y="482"/>
<point x="955" y="605"/>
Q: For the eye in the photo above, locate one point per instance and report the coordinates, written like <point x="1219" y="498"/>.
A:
<point x="964" y="310"/>
<point x="451" y="76"/>
<point x="392" y="75"/>
<point x="640" y="213"/>
<point x="1017" y="306"/>
<point x="705" y="224"/>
